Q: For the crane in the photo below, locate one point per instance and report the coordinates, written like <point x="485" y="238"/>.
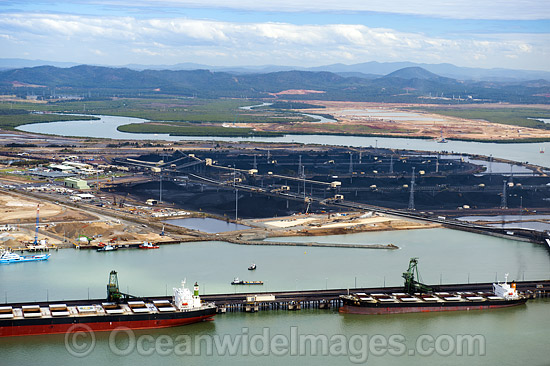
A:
<point x="113" y="292"/>
<point x="36" y="232"/>
<point x="411" y="284"/>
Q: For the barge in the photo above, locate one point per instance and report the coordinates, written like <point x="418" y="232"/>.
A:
<point x="236" y="281"/>
<point x="417" y="297"/>
<point x="118" y="310"/>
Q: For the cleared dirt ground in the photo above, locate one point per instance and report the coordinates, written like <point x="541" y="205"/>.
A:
<point x="15" y="209"/>
<point x="391" y="119"/>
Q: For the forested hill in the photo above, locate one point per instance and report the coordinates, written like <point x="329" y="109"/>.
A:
<point x="410" y="84"/>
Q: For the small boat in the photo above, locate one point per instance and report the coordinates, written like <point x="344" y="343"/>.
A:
<point x="441" y="139"/>
<point x="236" y="281"/>
<point x="11" y="257"/>
<point x="542" y="150"/>
<point x="252" y="267"/>
<point x="148" y="245"/>
<point x="107" y="248"/>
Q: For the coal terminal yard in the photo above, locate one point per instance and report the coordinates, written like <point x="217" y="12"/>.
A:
<point x="283" y="182"/>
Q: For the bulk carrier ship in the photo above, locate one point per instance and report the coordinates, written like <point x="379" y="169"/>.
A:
<point x="119" y="310"/>
<point x="418" y="297"/>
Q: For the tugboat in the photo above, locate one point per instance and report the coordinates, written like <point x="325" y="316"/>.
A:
<point x="418" y="297"/>
<point x="10" y="257"/>
<point x="252" y="267"/>
<point x="148" y="245"/>
<point x="117" y="310"/>
<point x="107" y="248"/>
<point x="441" y="139"/>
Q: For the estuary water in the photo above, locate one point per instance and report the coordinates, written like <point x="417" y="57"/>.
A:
<point x="106" y="126"/>
<point x="446" y="256"/>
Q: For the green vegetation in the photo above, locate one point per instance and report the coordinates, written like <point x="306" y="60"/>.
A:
<point x="11" y="118"/>
<point x="521" y="117"/>
<point x="294" y="105"/>
<point x="168" y="109"/>
<point x="194" y="130"/>
<point x="16" y="144"/>
<point x="27" y="163"/>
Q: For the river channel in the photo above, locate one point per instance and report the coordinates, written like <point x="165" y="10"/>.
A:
<point x="106" y="127"/>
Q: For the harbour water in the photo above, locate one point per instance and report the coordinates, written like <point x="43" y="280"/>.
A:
<point x="446" y="256"/>
<point x="106" y="128"/>
<point x="215" y="264"/>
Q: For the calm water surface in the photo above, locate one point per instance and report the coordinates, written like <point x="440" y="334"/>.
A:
<point x="447" y="255"/>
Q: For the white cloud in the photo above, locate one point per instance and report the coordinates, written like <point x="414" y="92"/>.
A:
<point x="112" y="40"/>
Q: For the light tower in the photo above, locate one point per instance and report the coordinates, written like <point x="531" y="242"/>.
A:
<point x="411" y="195"/>
<point x="503" y="201"/>
<point x="236" y="192"/>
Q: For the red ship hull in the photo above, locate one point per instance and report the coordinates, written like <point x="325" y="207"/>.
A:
<point x="98" y="323"/>
<point x="368" y="310"/>
<point x="25" y="330"/>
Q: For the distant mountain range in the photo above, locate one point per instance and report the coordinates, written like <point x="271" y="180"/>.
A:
<point x="404" y="85"/>
<point x="368" y="70"/>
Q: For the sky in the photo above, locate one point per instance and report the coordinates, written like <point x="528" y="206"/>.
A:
<point x="511" y="34"/>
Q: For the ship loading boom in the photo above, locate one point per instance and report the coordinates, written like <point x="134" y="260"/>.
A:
<point x="413" y="285"/>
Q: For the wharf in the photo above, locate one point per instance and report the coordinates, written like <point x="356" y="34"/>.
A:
<point x="125" y="245"/>
<point x="312" y="244"/>
<point x="321" y="299"/>
<point x="325" y="299"/>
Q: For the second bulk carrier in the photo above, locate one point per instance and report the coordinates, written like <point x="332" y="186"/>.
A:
<point x="418" y="297"/>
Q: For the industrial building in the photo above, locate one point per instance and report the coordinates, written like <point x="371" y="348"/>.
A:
<point x="76" y="183"/>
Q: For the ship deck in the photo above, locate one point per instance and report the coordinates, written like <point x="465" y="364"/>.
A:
<point x="83" y="308"/>
<point x="423" y="299"/>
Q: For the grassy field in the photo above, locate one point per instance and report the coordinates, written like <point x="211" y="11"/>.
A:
<point x="522" y="117"/>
